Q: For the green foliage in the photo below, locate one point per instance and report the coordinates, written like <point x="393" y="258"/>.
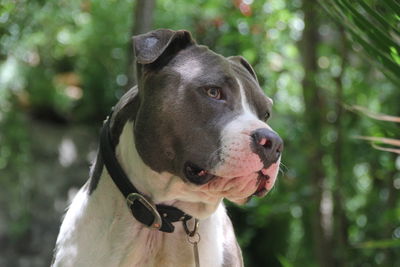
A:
<point x="375" y="26"/>
<point x="58" y="53"/>
<point x="381" y="244"/>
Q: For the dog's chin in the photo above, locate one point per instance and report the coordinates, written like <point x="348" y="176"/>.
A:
<point x="261" y="189"/>
<point x="238" y="189"/>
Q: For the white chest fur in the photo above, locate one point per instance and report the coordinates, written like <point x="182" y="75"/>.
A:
<point x="98" y="230"/>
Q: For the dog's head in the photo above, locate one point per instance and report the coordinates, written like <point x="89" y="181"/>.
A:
<point x="203" y="117"/>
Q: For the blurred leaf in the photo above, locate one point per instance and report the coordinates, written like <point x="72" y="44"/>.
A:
<point x="284" y="261"/>
<point x="377" y="33"/>
<point x="378" y="17"/>
<point x="379" y="244"/>
<point x="392" y="5"/>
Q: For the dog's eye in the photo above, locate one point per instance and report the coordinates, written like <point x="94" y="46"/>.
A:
<point x="267" y="116"/>
<point x="213" y="92"/>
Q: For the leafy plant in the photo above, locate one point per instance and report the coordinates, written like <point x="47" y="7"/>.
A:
<point x="374" y="25"/>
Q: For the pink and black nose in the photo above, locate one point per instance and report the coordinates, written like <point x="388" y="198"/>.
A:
<point x="267" y="144"/>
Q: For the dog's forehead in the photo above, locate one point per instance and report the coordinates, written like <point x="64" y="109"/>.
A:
<point x="189" y="69"/>
<point x="199" y="60"/>
<point x="199" y="64"/>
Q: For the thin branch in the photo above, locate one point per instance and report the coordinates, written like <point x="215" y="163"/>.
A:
<point x="373" y="115"/>
<point x="384" y="140"/>
<point x="387" y="149"/>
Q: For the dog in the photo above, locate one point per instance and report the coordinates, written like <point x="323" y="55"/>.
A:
<point x="192" y="132"/>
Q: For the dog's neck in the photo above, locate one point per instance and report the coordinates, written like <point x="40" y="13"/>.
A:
<point x="163" y="187"/>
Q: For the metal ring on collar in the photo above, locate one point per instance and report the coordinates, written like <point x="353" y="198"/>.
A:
<point x="195" y="227"/>
<point x="132" y="197"/>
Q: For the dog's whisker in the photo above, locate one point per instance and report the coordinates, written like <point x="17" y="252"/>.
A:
<point x="283" y="167"/>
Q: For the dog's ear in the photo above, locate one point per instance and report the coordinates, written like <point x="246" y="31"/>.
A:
<point x="150" y="46"/>
<point x="242" y="61"/>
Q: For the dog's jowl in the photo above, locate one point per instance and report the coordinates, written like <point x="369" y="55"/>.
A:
<point x="192" y="132"/>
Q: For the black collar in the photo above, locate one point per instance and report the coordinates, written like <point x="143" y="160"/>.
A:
<point x="154" y="216"/>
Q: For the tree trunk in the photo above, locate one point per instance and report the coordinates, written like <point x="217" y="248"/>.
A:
<point x="142" y="22"/>
<point x="315" y="121"/>
<point x="341" y="222"/>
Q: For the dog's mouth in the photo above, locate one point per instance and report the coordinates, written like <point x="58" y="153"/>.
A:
<point x="262" y="181"/>
<point x="196" y="174"/>
<point x="200" y="176"/>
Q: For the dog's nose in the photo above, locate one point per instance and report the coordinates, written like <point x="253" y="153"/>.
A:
<point x="268" y="145"/>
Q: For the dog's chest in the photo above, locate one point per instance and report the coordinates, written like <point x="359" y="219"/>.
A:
<point x="121" y="241"/>
<point x="151" y="248"/>
<point x="154" y="248"/>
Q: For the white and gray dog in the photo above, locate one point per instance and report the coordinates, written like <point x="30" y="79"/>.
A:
<point x="191" y="133"/>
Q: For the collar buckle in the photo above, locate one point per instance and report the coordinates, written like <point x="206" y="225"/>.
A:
<point x="132" y="197"/>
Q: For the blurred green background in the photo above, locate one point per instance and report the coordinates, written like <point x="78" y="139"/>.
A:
<point x="64" y="63"/>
